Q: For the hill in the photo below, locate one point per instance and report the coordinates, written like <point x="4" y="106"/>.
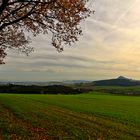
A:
<point x="120" y="81"/>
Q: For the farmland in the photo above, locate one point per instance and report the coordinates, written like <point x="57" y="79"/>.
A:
<point x="88" y="116"/>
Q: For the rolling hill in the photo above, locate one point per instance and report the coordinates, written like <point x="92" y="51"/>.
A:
<point x="120" y="81"/>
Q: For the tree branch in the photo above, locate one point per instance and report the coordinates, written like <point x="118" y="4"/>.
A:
<point x="37" y="2"/>
<point x="3" y="5"/>
<point x="19" y="19"/>
<point x="14" y="11"/>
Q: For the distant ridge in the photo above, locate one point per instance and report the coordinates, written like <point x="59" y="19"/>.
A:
<point x="121" y="77"/>
<point x="119" y="81"/>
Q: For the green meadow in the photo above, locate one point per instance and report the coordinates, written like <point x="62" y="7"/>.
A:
<point x="89" y="116"/>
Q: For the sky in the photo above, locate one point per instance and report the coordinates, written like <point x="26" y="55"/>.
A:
<point x="110" y="47"/>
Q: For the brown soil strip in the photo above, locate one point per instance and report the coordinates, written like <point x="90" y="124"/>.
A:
<point x="35" y="133"/>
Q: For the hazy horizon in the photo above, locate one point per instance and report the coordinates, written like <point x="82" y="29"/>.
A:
<point x="74" y="80"/>
<point x="109" y="48"/>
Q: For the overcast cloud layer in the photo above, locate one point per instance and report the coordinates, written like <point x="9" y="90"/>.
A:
<point x="110" y="47"/>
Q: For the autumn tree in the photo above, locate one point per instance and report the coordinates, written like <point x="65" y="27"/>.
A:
<point x="61" y="18"/>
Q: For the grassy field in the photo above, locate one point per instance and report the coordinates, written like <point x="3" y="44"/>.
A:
<point x="92" y="116"/>
<point x="122" y="90"/>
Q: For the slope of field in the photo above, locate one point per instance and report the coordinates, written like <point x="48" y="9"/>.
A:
<point x="76" y="117"/>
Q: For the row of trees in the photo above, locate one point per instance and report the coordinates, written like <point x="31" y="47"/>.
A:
<point x="55" y="89"/>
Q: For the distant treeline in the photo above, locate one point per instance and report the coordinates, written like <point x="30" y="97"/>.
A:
<point x="54" y="89"/>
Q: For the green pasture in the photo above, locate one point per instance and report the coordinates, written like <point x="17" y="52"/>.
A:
<point x="88" y="116"/>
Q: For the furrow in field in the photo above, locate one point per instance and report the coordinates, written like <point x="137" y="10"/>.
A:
<point x="104" y="122"/>
<point x="59" y="121"/>
<point x="13" y="128"/>
<point x="86" y="122"/>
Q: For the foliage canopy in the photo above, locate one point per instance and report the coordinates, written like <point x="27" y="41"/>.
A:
<point x="60" y="17"/>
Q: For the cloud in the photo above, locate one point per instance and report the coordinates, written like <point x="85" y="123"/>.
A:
<point x="108" y="48"/>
